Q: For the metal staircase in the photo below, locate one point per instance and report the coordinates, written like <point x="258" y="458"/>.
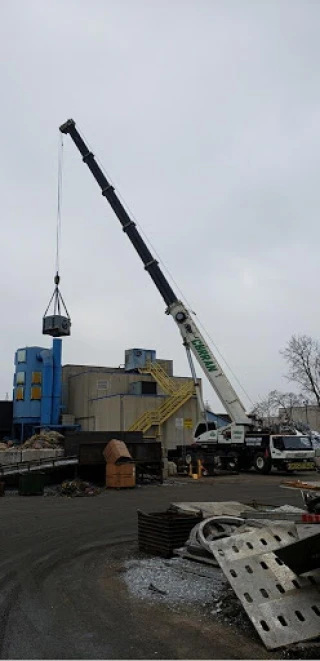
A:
<point x="159" y="375"/>
<point x="177" y="397"/>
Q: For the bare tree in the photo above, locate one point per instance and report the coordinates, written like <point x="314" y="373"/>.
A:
<point x="302" y="354"/>
<point x="287" y="401"/>
<point x="267" y="409"/>
<point x="264" y="410"/>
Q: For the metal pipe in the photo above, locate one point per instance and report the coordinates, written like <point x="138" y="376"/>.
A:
<point x="47" y="384"/>
<point x="57" y="381"/>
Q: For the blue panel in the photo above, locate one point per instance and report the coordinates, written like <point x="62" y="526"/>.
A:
<point x="47" y="362"/>
<point x="27" y="409"/>
<point x="135" y="388"/>
<point x="137" y="358"/>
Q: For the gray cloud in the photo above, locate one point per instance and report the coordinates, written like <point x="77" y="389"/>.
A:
<point x="206" y="117"/>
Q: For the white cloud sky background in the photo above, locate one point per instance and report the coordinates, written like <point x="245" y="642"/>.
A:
<point x="206" y="116"/>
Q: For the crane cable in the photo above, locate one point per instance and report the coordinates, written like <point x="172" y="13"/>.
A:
<point x="170" y="276"/>
<point x="56" y="297"/>
<point x="59" y="202"/>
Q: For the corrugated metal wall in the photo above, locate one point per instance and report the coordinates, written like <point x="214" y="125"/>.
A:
<point x="100" y="401"/>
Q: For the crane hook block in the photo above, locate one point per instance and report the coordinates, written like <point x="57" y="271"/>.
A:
<point x="58" y="322"/>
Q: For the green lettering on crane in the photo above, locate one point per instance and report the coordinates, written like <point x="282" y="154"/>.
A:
<point x="204" y="354"/>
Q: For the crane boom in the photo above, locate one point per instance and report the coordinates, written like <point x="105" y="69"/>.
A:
<point x="190" y="333"/>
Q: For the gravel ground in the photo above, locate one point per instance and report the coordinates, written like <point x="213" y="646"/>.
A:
<point x="173" y="581"/>
<point x="177" y="582"/>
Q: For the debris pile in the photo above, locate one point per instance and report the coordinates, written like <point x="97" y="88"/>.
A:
<point x="46" y="439"/>
<point x="78" y="488"/>
<point x="6" y="445"/>
<point x="266" y="558"/>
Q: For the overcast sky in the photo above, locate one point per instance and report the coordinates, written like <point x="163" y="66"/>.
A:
<point x="206" y="116"/>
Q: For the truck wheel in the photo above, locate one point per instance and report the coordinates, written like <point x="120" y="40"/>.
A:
<point x="233" y="461"/>
<point x="245" y="464"/>
<point x="261" y="463"/>
<point x="218" y="458"/>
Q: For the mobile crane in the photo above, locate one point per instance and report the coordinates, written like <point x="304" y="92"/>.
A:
<point x="241" y="439"/>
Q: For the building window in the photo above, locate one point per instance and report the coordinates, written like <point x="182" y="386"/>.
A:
<point x="148" y="387"/>
<point x="22" y="356"/>
<point x="102" y="388"/>
<point x="35" y="392"/>
<point x="36" y="377"/>
<point x="19" y="393"/>
<point x="21" y="378"/>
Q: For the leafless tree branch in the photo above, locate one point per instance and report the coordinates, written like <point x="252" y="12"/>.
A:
<point x="302" y="355"/>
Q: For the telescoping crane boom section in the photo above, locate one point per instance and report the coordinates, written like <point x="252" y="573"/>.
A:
<point x="191" y="335"/>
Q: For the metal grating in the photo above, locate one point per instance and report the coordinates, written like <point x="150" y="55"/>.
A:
<point x="283" y="607"/>
<point x="160" y="533"/>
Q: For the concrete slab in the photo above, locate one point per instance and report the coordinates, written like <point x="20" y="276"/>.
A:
<point x="9" y="457"/>
<point x="228" y="508"/>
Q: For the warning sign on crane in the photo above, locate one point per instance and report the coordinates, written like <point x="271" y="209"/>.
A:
<point x="188" y="424"/>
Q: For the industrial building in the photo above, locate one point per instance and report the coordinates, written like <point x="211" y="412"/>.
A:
<point x="308" y="414"/>
<point x="143" y="395"/>
<point x="6" y="416"/>
<point x="36" y="389"/>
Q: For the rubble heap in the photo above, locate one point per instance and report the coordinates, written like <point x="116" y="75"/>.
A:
<point x="46" y="439"/>
<point x="6" y="445"/>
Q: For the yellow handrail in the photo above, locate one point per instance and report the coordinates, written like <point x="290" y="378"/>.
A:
<point x="163" y="412"/>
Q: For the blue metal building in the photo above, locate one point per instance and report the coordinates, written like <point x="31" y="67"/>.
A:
<point x="220" y="419"/>
<point x="36" y="389"/>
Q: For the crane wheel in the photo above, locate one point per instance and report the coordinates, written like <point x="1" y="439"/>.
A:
<point x="233" y="461"/>
<point x="261" y="463"/>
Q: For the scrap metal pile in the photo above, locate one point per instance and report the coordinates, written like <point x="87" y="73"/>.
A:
<point x="78" y="488"/>
<point x="270" y="557"/>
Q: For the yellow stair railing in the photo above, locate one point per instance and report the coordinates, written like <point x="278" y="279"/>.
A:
<point x="162" y="378"/>
<point x="158" y="416"/>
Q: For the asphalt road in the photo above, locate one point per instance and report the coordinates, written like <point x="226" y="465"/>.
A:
<point x="61" y="590"/>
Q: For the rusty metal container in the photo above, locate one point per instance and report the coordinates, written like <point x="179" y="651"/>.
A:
<point x="116" y="452"/>
<point x="121" y="476"/>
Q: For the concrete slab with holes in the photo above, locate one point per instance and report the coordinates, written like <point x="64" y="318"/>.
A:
<point x="283" y="607"/>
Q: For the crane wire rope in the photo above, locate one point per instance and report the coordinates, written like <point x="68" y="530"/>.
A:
<point x="59" y="202"/>
<point x="165" y="268"/>
<point x="57" y="296"/>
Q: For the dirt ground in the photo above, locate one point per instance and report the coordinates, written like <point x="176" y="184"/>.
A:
<point x="62" y="588"/>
